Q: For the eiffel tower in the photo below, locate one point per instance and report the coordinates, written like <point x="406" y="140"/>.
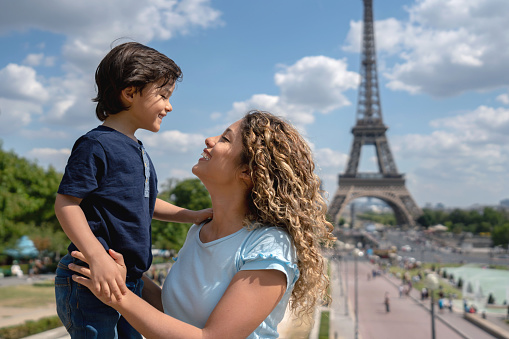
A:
<point x="387" y="185"/>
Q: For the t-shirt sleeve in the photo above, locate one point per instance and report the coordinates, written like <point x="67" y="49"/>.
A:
<point x="85" y="168"/>
<point x="271" y="249"/>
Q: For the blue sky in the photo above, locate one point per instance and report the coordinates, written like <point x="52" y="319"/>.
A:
<point x="442" y="68"/>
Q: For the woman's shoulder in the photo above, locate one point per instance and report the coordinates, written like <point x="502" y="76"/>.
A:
<point x="269" y="240"/>
<point x="269" y="233"/>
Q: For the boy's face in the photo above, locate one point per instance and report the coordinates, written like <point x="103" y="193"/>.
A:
<point x="149" y="107"/>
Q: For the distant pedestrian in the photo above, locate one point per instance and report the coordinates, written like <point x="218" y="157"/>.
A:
<point x="386" y="302"/>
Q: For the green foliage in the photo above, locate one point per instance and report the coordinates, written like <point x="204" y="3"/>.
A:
<point x="30" y="327"/>
<point x="188" y="193"/>
<point x="382" y="218"/>
<point x="323" y="332"/>
<point x="490" y="221"/>
<point x="27" y="196"/>
<point x="500" y="234"/>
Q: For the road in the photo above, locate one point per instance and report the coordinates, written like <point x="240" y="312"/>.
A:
<point x="406" y="319"/>
<point x="437" y="254"/>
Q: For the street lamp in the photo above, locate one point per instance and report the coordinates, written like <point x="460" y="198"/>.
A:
<point x="432" y="283"/>
<point x="356" y="254"/>
<point x="346" y="286"/>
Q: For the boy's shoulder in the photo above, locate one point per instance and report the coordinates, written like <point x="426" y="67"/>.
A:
<point x="100" y="132"/>
<point x="105" y="135"/>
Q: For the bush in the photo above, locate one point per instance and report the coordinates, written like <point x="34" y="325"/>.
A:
<point x="30" y="327"/>
<point x="5" y="271"/>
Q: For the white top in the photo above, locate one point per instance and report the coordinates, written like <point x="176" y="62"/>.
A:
<point x="203" y="271"/>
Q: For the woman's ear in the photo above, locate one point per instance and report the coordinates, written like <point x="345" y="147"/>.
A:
<point x="245" y="176"/>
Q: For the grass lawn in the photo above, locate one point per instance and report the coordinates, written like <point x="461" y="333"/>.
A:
<point x="324" y="326"/>
<point x="446" y="286"/>
<point x="38" y="294"/>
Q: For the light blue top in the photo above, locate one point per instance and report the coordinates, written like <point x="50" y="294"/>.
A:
<point x="203" y="271"/>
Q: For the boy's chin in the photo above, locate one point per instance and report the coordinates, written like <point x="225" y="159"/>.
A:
<point x="154" y="129"/>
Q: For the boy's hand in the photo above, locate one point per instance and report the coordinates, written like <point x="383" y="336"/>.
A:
<point x="107" y="275"/>
<point x="203" y="215"/>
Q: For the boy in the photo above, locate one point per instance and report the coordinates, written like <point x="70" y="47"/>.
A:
<point x="108" y="194"/>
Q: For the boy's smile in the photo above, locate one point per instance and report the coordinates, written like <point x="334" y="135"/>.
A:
<point x="149" y="107"/>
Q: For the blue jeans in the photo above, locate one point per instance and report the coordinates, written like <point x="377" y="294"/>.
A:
<point x="83" y="315"/>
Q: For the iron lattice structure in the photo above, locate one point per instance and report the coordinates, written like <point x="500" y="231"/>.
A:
<point x="387" y="185"/>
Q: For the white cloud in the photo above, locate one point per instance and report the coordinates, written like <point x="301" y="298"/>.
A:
<point x="388" y="36"/>
<point x="38" y="59"/>
<point x="316" y="83"/>
<point x="90" y="27"/>
<point x="311" y="85"/>
<point x="468" y="154"/>
<point x="503" y="98"/>
<point x="34" y="59"/>
<point x="445" y="48"/>
<point x="14" y="114"/>
<point x="326" y="157"/>
<point x="172" y="141"/>
<point x="43" y="133"/>
<point x="20" y="83"/>
<point x="46" y="156"/>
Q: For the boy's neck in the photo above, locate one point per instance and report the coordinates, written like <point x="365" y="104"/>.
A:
<point x="119" y="123"/>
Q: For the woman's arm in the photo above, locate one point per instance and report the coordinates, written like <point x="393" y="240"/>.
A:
<point x="249" y="299"/>
<point x="151" y="293"/>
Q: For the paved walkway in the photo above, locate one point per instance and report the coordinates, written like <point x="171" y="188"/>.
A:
<point x="408" y="317"/>
<point x="290" y="327"/>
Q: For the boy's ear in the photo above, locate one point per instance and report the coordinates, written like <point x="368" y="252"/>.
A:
<point x="128" y="94"/>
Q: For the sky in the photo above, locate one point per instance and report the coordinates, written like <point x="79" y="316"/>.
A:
<point x="442" y="69"/>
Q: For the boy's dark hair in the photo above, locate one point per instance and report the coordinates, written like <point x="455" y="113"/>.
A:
<point x="130" y="64"/>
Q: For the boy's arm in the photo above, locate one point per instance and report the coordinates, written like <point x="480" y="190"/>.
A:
<point x="165" y="211"/>
<point x="107" y="279"/>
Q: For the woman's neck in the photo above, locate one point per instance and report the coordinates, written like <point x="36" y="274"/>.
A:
<point x="229" y="214"/>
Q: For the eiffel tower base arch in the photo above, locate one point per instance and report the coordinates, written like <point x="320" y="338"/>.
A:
<point x="391" y="190"/>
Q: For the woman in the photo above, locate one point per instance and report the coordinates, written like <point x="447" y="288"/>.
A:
<point x="236" y="274"/>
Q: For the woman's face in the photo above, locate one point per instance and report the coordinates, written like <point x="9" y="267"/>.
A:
<point x="220" y="161"/>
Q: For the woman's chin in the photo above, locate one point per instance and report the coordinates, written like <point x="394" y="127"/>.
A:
<point x="195" y="170"/>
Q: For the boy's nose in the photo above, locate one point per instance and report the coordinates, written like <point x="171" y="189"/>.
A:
<point x="168" y="107"/>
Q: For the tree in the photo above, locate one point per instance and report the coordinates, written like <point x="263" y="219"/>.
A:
<point x="188" y="193"/>
<point x="27" y="196"/>
<point x="500" y="235"/>
<point x="426" y="219"/>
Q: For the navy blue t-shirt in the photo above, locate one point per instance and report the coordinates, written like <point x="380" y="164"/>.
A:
<point x="115" y="177"/>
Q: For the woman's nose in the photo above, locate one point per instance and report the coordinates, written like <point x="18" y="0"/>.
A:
<point x="211" y="141"/>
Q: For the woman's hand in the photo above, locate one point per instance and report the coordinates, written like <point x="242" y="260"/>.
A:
<point x="119" y="260"/>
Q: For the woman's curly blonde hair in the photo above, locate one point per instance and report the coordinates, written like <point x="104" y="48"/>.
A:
<point x="286" y="193"/>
